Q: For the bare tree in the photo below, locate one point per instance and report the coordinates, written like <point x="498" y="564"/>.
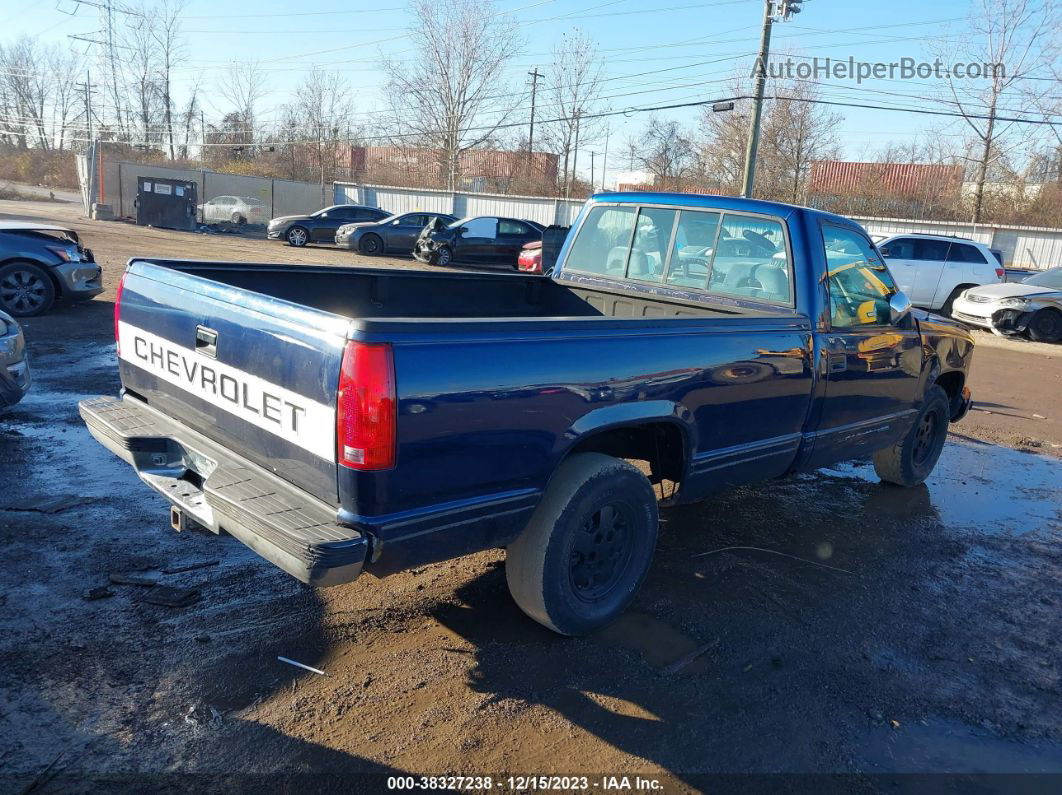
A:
<point x="451" y="96"/>
<point x="141" y="69"/>
<point x="244" y="86"/>
<point x="667" y="152"/>
<point x="574" y="89"/>
<point x="167" y="35"/>
<point x="27" y="90"/>
<point x="796" y="132"/>
<point x="64" y="68"/>
<point x="1006" y="36"/>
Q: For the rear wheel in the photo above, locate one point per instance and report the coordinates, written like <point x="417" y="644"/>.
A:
<point x="584" y="554"/>
<point x="298" y="237"/>
<point x="371" y="245"/>
<point x="25" y="289"/>
<point x="910" y="460"/>
<point x="1046" y="326"/>
<point x="238" y="220"/>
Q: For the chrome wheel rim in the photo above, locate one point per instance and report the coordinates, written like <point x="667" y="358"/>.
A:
<point x="444" y="256"/>
<point x="297" y="237"/>
<point x="23" y="291"/>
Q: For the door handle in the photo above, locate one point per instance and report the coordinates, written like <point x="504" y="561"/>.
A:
<point x="206" y="341"/>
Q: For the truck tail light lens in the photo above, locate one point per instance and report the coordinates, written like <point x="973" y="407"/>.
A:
<point x="1000" y="273"/>
<point x="118" y="312"/>
<point x="366" y="408"/>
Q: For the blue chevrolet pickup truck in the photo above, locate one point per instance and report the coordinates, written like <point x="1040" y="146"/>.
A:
<point x="345" y="420"/>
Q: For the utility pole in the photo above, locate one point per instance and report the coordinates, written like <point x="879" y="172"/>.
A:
<point x="592" y="153"/>
<point x="535" y="75"/>
<point x="786" y="9"/>
<point x="604" y="159"/>
<point x="575" y="156"/>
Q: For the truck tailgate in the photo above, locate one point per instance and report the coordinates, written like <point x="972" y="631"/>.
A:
<point x="255" y="374"/>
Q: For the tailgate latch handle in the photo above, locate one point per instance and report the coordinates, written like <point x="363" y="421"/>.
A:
<point x="206" y="341"/>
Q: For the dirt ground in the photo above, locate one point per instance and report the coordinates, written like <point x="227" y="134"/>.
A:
<point x="911" y="632"/>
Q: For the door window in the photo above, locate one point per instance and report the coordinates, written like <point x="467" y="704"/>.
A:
<point x="481" y="227"/>
<point x="962" y="252"/>
<point x="603" y="241"/>
<point x="860" y="284"/>
<point x="510" y="227"/>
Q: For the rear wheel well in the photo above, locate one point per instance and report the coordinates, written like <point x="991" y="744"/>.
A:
<point x="657" y="448"/>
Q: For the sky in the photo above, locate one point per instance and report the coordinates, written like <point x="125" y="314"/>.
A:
<point x="672" y="51"/>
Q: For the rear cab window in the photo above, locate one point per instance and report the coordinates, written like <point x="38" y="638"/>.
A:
<point x="730" y="255"/>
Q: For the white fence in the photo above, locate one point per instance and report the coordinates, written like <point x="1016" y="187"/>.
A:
<point x="401" y="200"/>
<point x="1022" y="246"/>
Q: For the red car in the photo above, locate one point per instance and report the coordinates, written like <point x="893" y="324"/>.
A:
<point x="530" y="259"/>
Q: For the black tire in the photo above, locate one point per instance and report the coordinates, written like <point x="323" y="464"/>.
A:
<point x="946" y="308"/>
<point x="371" y="245"/>
<point x="909" y="462"/>
<point x="1046" y="326"/>
<point x="26" y="290"/>
<point x="584" y="554"/>
<point x="297" y="236"/>
<point x="443" y="256"/>
<point x="238" y="220"/>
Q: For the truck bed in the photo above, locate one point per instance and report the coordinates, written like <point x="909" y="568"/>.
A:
<point x="370" y="293"/>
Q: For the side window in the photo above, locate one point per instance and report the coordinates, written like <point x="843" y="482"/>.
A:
<point x="931" y="250"/>
<point x="652" y="237"/>
<point x="509" y="227"/>
<point x="860" y="284"/>
<point x="414" y="220"/>
<point x="482" y="227"/>
<point x="961" y="252"/>
<point x="363" y="215"/>
<point x="691" y="252"/>
<point x="901" y="248"/>
<point x="603" y="241"/>
<point x="750" y="260"/>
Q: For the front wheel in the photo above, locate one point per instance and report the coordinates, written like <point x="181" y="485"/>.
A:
<point x="298" y="237"/>
<point x="588" y="546"/>
<point x="1046" y="326"/>
<point x="444" y="256"/>
<point x="238" y="220"/>
<point x="910" y="460"/>
<point x="25" y="289"/>
<point x="371" y="245"/>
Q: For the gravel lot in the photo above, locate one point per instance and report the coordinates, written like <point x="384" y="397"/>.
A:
<point x="917" y="632"/>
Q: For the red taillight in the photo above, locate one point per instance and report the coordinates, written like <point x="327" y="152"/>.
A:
<point x="530" y="261"/>
<point x="1000" y="273"/>
<point x="366" y="407"/>
<point x="118" y="312"/>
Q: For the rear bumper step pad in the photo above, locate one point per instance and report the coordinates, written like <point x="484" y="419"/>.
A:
<point x="221" y="491"/>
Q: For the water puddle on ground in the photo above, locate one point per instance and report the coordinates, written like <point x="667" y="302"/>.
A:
<point x="995" y="489"/>
<point x="945" y="746"/>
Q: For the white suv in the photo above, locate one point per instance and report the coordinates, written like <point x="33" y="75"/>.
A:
<point x="934" y="269"/>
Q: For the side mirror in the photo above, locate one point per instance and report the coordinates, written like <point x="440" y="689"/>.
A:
<point x="463" y="230"/>
<point x="899" y="307"/>
<point x="884" y="252"/>
<point x="396" y="222"/>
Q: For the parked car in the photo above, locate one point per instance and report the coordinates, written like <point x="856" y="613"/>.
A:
<point x="484" y="239"/>
<point x="341" y="420"/>
<point x="41" y="264"/>
<point x="395" y="234"/>
<point x="1033" y="306"/>
<point x="934" y="269"/>
<point x="14" y="366"/>
<point x="237" y="210"/>
<point x="321" y="226"/>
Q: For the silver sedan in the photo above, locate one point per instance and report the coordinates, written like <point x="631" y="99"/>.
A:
<point x="1033" y="306"/>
